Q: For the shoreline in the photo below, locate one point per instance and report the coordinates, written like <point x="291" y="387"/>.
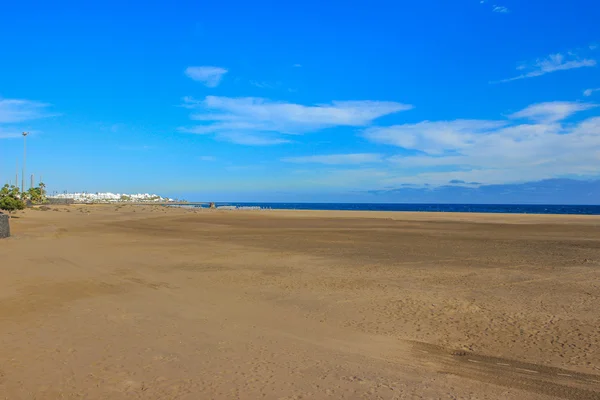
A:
<point x="439" y="216"/>
<point x="417" y="216"/>
<point x="517" y="209"/>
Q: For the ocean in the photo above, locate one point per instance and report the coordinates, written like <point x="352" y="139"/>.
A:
<point x="469" y="208"/>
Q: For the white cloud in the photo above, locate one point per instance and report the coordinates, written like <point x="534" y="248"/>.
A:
<point x="495" y="151"/>
<point x="552" y="63"/>
<point x="250" y="139"/>
<point x="297" y="65"/>
<point x="337" y="159"/>
<point x="551" y="111"/>
<point x="432" y="137"/>
<point x="589" y="92"/>
<point x="210" y="76"/>
<point x="496" y="8"/>
<point x="228" y="133"/>
<point x="249" y="120"/>
<point x="15" y="110"/>
<point x="9" y="133"/>
<point x="207" y="158"/>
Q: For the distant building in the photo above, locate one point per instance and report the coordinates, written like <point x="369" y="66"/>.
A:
<point x="113" y="198"/>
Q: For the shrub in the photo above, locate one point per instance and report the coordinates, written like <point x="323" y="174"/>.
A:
<point x="10" y="199"/>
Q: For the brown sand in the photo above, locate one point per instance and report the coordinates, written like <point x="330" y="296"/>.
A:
<point x="144" y="302"/>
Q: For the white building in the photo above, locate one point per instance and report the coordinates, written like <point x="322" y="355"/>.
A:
<point x="113" y="197"/>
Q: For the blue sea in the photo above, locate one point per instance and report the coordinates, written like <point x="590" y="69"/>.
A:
<point x="472" y="208"/>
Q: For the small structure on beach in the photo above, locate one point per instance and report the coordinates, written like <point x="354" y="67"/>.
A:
<point x="4" y="226"/>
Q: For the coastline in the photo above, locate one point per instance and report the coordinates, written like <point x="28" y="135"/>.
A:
<point x="424" y="216"/>
<point x="433" y="216"/>
<point x="510" y="218"/>
<point x="541" y="209"/>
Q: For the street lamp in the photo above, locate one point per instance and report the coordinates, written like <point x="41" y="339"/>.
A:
<point x="24" y="160"/>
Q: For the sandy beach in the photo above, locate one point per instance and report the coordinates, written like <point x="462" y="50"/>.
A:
<point x="148" y="302"/>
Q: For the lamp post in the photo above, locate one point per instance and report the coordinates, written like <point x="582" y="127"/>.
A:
<point x="24" y="161"/>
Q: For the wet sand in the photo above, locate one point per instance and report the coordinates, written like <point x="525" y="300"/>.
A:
<point x="146" y="302"/>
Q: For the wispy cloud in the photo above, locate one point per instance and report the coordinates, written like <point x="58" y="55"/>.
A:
<point x="552" y="63"/>
<point x="209" y="76"/>
<point x="265" y="84"/>
<point x="258" y="121"/>
<point x="496" y="8"/>
<point x="589" y="92"/>
<point x="495" y="151"/>
<point x="432" y="137"/>
<point x="207" y="158"/>
<point x="297" y="65"/>
<point x="9" y="133"/>
<point x="250" y="139"/>
<point x="16" y="110"/>
<point x="228" y="133"/>
<point x="337" y="159"/>
<point x="551" y="111"/>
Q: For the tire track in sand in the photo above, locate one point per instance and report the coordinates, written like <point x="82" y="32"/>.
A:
<point x="536" y="378"/>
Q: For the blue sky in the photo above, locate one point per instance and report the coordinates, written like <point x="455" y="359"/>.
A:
<point x="300" y="100"/>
